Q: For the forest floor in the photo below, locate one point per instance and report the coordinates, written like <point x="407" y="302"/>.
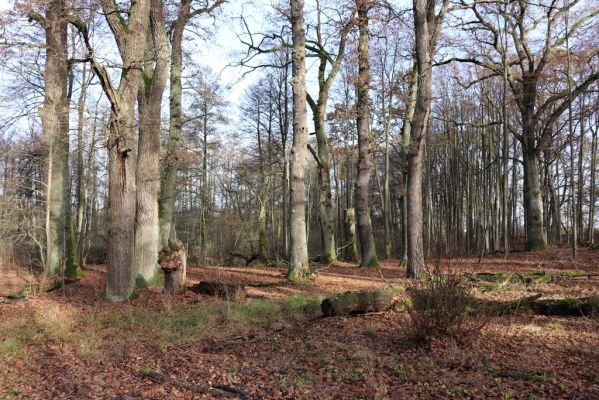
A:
<point x="72" y="344"/>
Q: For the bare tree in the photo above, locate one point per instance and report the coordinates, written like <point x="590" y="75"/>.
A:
<point x="427" y="24"/>
<point x="298" y="263"/>
<point x="130" y="35"/>
<point x="368" y="257"/>
<point x="185" y="14"/>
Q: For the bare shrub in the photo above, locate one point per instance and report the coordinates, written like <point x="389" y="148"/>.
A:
<point x="442" y="305"/>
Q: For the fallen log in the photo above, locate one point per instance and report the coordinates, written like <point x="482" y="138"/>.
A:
<point x="506" y="307"/>
<point x="353" y="303"/>
<point x="212" y="388"/>
<point x="173" y="261"/>
<point x="224" y="290"/>
<point x="586" y="306"/>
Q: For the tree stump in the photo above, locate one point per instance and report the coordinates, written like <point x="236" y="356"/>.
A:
<point x="224" y="290"/>
<point x="353" y="303"/>
<point x="173" y="261"/>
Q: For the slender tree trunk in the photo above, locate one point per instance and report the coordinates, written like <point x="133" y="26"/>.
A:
<point x="416" y="264"/>
<point x="571" y="137"/>
<point x="327" y="227"/>
<point x="298" y="264"/>
<point x="169" y="181"/>
<point x="155" y="74"/>
<point x="592" y="188"/>
<point x="81" y="183"/>
<point x="368" y="257"/>
<point x="406" y="134"/>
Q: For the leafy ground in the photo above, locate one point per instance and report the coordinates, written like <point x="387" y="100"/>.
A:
<point x="72" y="344"/>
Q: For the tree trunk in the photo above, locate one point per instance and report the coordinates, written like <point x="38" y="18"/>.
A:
<point x="298" y="264"/>
<point x="122" y="150"/>
<point x="147" y="228"/>
<point x="327" y="227"/>
<point x="406" y="133"/>
<point x="174" y="264"/>
<point x="368" y="257"/>
<point x="533" y="204"/>
<point x="168" y="189"/>
<point x="416" y="264"/>
<point x="81" y="183"/>
<point x="55" y="125"/>
<point x="592" y="194"/>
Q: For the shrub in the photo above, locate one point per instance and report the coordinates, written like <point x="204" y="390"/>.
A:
<point x="442" y="306"/>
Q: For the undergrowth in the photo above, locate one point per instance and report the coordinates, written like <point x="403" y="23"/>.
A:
<point x="163" y="327"/>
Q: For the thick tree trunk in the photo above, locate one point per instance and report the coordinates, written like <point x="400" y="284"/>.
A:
<point x="55" y="125"/>
<point x="533" y="204"/>
<point x="368" y="257"/>
<point x="122" y="153"/>
<point x="147" y="232"/>
<point x="298" y="264"/>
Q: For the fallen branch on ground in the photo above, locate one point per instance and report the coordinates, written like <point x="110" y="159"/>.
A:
<point x="212" y="388"/>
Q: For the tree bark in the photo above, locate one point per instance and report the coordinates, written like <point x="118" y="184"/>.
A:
<point x="131" y="40"/>
<point x="533" y="204"/>
<point x="171" y="162"/>
<point x="298" y="264"/>
<point x="416" y="264"/>
<point x="173" y="260"/>
<point x="154" y="76"/>
<point x="55" y="124"/>
<point x="368" y="256"/>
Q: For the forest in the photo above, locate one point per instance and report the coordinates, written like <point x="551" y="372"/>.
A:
<point x="299" y="199"/>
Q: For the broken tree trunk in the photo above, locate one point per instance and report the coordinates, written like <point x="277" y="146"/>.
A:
<point x="585" y="306"/>
<point x="173" y="261"/>
<point x="227" y="291"/>
<point x="506" y="307"/>
<point x="353" y="303"/>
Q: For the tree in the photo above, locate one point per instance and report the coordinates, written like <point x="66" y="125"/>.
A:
<point x="526" y="75"/>
<point x="55" y="123"/>
<point x="298" y="263"/>
<point x="427" y="26"/>
<point x="319" y="107"/>
<point x="130" y="36"/>
<point x="185" y="14"/>
<point x="154" y="76"/>
<point x="368" y="257"/>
